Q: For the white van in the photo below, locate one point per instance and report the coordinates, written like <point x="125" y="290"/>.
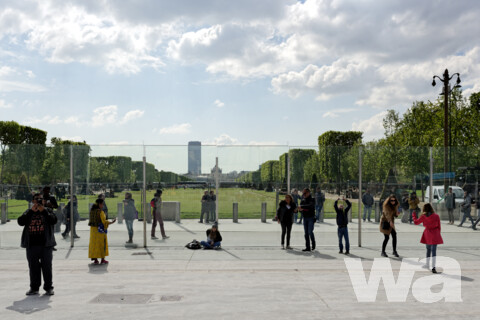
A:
<point x="438" y="192"/>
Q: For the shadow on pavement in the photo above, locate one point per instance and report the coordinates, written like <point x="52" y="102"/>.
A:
<point x="97" y="268"/>
<point x="315" y="254"/>
<point x="31" y="304"/>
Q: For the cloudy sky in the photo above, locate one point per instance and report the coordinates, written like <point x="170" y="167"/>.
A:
<point x="227" y="72"/>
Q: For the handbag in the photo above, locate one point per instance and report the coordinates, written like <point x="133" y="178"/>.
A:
<point x="101" y="228"/>
<point x="386" y="225"/>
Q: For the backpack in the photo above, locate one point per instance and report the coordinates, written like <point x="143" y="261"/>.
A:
<point x="194" y="245"/>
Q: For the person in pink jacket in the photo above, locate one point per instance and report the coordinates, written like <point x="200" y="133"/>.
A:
<point x="431" y="235"/>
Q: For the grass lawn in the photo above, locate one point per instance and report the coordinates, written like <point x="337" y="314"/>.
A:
<point x="249" y="203"/>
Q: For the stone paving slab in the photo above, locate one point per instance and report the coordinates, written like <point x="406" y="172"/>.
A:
<point x="250" y="278"/>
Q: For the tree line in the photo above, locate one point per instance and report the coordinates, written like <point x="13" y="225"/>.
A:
<point x="403" y="153"/>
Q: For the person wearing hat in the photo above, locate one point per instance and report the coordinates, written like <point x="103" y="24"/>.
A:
<point x="214" y="238"/>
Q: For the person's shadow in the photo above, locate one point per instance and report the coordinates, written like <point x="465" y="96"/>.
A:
<point x="31" y="304"/>
<point x="97" y="268"/>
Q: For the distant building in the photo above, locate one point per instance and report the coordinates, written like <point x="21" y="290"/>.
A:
<point x="194" y="158"/>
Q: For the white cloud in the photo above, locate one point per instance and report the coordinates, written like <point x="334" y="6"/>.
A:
<point x="52" y="120"/>
<point x="73" y="138"/>
<point x="225" y="140"/>
<point x="336" y="113"/>
<point x="4" y="104"/>
<point x="132" y="115"/>
<point x="104" y="115"/>
<point x="219" y="103"/>
<point x="182" y="128"/>
<point x="372" y="128"/>
<point x="109" y="115"/>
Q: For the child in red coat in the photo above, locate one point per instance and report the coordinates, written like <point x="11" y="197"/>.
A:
<point x="431" y="236"/>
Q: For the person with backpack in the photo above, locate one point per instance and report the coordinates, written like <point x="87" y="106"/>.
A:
<point x="431" y="236"/>
<point x="284" y="217"/>
<point x="214" y="238"/>
<point x="342" y="223"/>
<point x="156" y="204"/>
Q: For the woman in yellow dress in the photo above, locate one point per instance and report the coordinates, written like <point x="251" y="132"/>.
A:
<point x="98" y="247"/>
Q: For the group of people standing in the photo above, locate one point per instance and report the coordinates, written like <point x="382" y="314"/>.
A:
<point x="285" y="216"/>
<point x="208" y="210"/>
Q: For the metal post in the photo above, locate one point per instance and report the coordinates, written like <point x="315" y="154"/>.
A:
<point x="360" y="196"/>
<point x="430" y="191"/>
<point x="4" y="213"/>
<point x="264" y="212"/>
<point x="445" y="131"/>
<point x="216" y="190"/>
<point x="235" y="212"/>
<point x="71" y="197"/>
<point x="144" y="197"/>
<point x="120" y="212"/>
<point x="288" y="172"/>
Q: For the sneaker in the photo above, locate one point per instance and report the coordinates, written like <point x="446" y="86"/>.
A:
<point x="434" y="270"/>
<point x="313" y="246"/>
<point x="104" y="261"/>
<point x="283" y="247"/>
<point x="49" y="292"/>
<point x="200" y="221"/>
<point x="347" y="252"/>
<point x="341" y="251"/>
<point x="395" y="254"/>
<point x="129" y="241"/>
<point x="76" y="237"/>
<point x="384" y="254"/>
<point x="31" y="292"/>
<point x="95" y="261"/>
<point x="289" y="248"/>
<point x="166" y="237"/>
<point x="154" y="238"/>
<point x="306" y="250"/>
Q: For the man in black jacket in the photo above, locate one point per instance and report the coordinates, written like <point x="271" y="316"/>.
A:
<point x="38" y="238"/>
<point x="307" y="207"/>
<point x="342" y="222"/>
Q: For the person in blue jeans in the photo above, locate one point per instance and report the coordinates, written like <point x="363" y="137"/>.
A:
<point x="297" y="199"/>
<point x="342" y="223"/>
<point x="214" y="238"/>
<point x="307" y="207"/>
<point x="368" y="201"/>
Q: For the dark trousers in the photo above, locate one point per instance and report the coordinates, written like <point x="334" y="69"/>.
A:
<point x="40" y="262"/>
<point x="157" y="216"/>
<point x="467" y="214"/>
<point x="67" y="228"/>
<point x="343" y="233"/>
<point x="450" y="215"/>
<point x="286" y="229"/>
<point x="308" y="226"/>
<point x="204" y="210"/>
<point x="394" y="239"/>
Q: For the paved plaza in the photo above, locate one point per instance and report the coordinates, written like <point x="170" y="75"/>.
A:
<point x="250" y="278"/>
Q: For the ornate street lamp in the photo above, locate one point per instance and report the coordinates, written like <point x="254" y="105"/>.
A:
<point x="446" y="92"/>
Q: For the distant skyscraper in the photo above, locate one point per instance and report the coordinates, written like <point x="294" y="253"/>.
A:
<point x="195" y="158"/>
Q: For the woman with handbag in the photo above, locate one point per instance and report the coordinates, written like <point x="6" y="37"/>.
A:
<point x="431" y="236"/>
<point x="98" y="246"/>
<point x="387" y="223"/>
